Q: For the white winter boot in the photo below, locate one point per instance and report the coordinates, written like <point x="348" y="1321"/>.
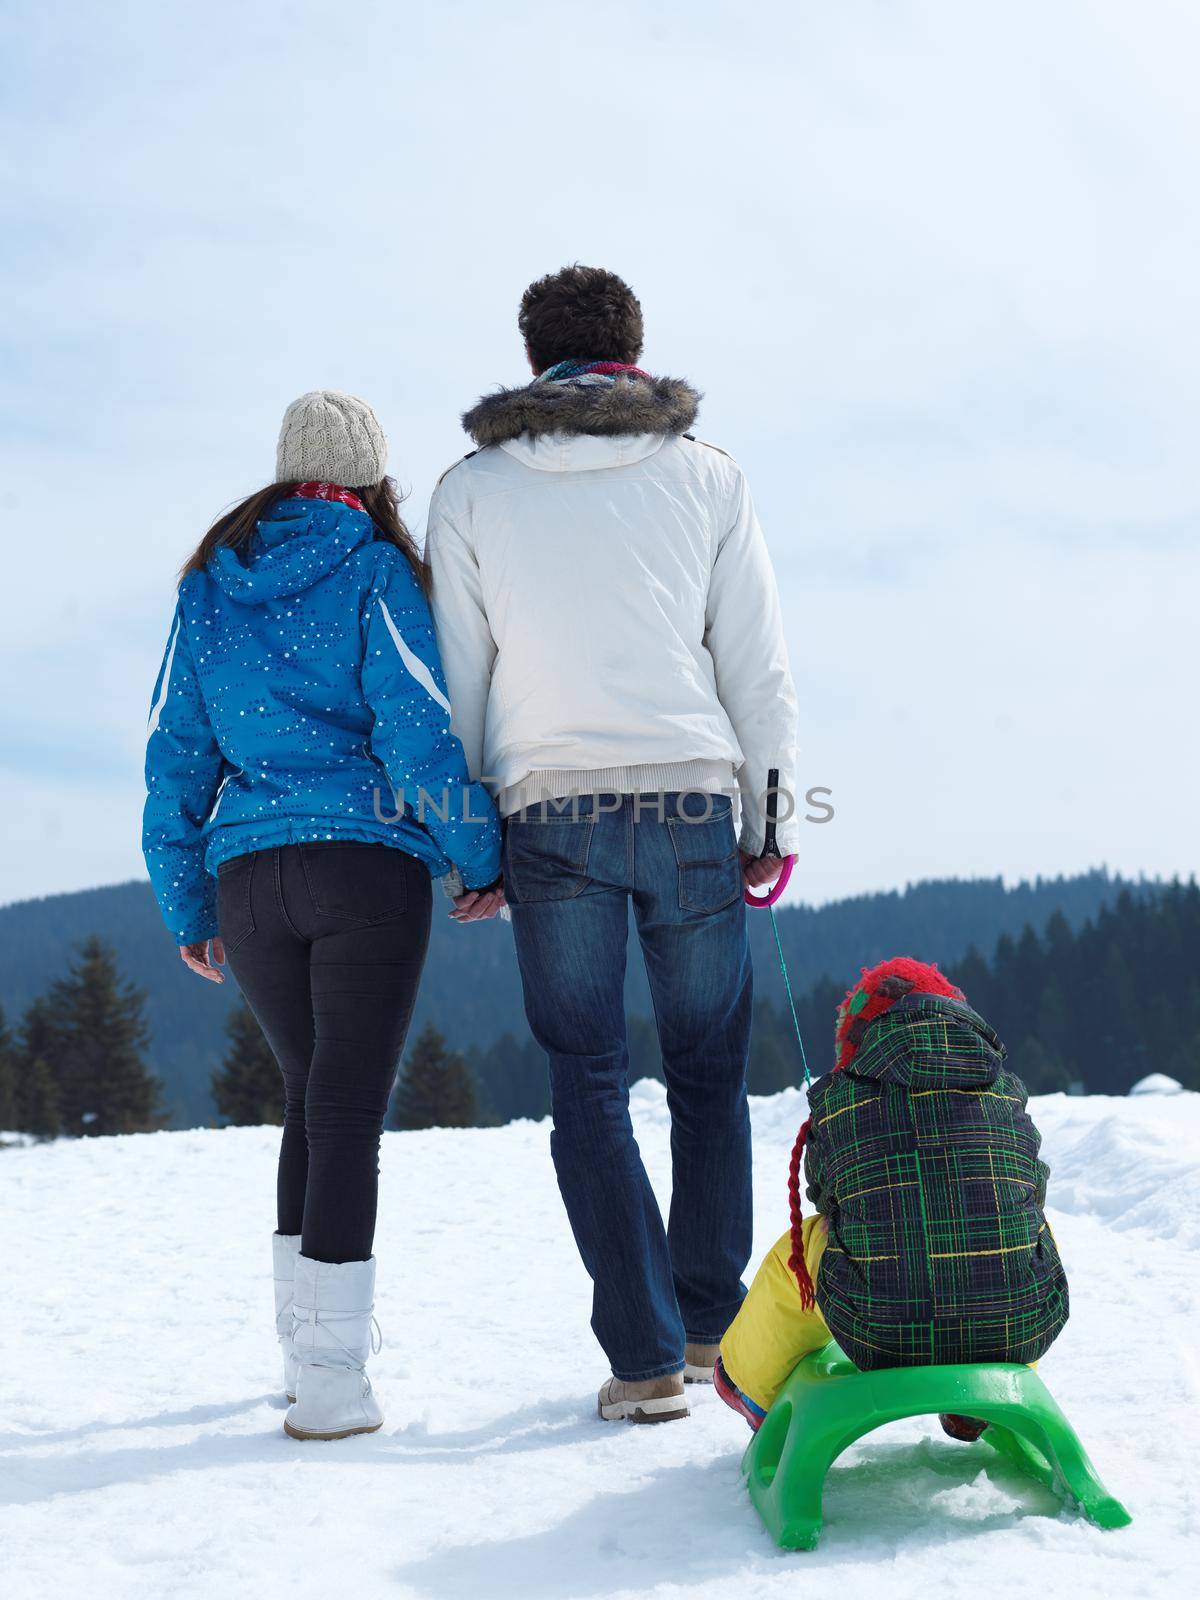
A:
<point x="286" y="1247"/>
<point x="332" y="1328"/>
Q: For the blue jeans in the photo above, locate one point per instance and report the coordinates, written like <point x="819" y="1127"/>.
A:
<point x="568" y="876"/>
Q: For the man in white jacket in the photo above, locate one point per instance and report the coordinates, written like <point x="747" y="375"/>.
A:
<point x="611" y="635"/>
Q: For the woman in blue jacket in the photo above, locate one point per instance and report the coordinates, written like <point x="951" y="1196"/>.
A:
<point x="303" y="786"/>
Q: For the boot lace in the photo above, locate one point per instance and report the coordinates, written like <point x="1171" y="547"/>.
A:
<point x="310" y="1316"/>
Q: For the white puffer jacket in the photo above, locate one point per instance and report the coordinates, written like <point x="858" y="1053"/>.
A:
<point x="604" y="601"/>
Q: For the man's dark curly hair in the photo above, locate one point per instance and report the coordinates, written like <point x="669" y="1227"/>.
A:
<point x="580" y="314"/>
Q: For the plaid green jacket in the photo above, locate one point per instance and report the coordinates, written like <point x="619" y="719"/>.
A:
<point x="925" y="1163"/>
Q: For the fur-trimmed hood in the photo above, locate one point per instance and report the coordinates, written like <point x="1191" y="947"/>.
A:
<point x="624" y="406"/>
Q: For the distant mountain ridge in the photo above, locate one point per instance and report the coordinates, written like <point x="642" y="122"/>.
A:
<point x="471" y="988"/>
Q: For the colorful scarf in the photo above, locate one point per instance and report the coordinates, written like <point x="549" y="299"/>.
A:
<point x="327" y="491"/>
<point x="591" y="372"/>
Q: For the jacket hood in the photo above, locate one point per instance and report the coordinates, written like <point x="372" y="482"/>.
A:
<point x="624" y="406"/>
<point x="927" y="1042"/>
<point x="301" y="542"/>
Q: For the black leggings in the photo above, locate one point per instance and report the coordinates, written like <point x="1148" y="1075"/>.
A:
<point x="327" y="942"/>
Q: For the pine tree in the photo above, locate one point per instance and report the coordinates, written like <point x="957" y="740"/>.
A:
<point x="1162" y="1037"/>
<point x="816" y="1013"/>
<point x="1126" y="1057"/>
<point x="1060" y="946"/>
<point x="1028" y="973"/>
<point x="973" y="977"/>
<point x="37" y="1100"/>
<point x="512" y="1079"/>
<point x="1053" y="1028"/>
<point x="774" y="1055"/>
<point x="8" y="1079"/>
<point x="103" y="1083"/>
<point x="436" y="1089"/>
<point x="1183" y="1064"/>
<point x="248" y="1086"/>
<point x="1039" y="1069"/>
<point x="36" y="1091"/>
<point x="40" y="1037"/>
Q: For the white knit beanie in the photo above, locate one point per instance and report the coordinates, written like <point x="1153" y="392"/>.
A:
<point x="333" y="438"/>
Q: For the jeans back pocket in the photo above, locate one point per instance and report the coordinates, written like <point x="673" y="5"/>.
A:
<point x="358" y="883"/>
<point x="706" y="857"/>
<point x="547" y="858"/>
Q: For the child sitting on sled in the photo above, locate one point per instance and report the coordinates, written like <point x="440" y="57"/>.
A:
<point x="929" y="1243"/>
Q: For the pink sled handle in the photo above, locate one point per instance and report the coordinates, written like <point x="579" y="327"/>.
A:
<point x="762" y="901"/>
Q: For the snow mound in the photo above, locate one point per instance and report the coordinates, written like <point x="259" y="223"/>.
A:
<point x="142" y="1454"/>
<point x="1130" y="1164"/>
<point x="1157" y="1083"/>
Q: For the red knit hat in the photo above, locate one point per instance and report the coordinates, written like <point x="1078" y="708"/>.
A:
<point x="876" y="992"/>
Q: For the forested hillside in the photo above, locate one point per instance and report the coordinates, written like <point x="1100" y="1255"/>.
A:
<point x="1103" y="1005"/>
<point x="1091" y="1008"/>
<point x="471" y="990"/>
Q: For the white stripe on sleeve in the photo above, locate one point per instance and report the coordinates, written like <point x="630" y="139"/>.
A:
<point x="415" y="665"/>
<point x="156" y="710"/>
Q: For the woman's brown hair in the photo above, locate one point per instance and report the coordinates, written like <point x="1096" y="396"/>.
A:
<point x="235" y="527"/>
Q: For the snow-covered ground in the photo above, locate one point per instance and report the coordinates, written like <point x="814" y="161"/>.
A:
<point x="141" y="1448"/>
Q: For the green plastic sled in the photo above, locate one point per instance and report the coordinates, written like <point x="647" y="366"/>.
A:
<point x="827" y="1404"/>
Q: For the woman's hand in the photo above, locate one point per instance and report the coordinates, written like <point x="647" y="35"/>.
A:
<point x="759" y="871"/>
<point x="197" y="956"/>
<point x="477" y="905"/>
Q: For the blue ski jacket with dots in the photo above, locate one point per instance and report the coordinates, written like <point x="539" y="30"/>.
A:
<point x="301" y="698"/>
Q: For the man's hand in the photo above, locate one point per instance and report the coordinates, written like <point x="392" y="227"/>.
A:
<point x="477" y="905"/>
<point x="197" y="956"/>
<point x="759" y="871"/>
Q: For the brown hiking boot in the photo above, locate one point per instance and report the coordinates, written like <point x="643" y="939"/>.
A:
<point x="652" y="1400"/>
<point x="699" y="1361"/>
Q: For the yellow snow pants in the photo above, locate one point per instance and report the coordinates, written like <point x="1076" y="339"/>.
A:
<point x="773" y="1331"/>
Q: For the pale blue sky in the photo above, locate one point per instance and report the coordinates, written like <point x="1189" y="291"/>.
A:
<point x="933" y="265"/>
